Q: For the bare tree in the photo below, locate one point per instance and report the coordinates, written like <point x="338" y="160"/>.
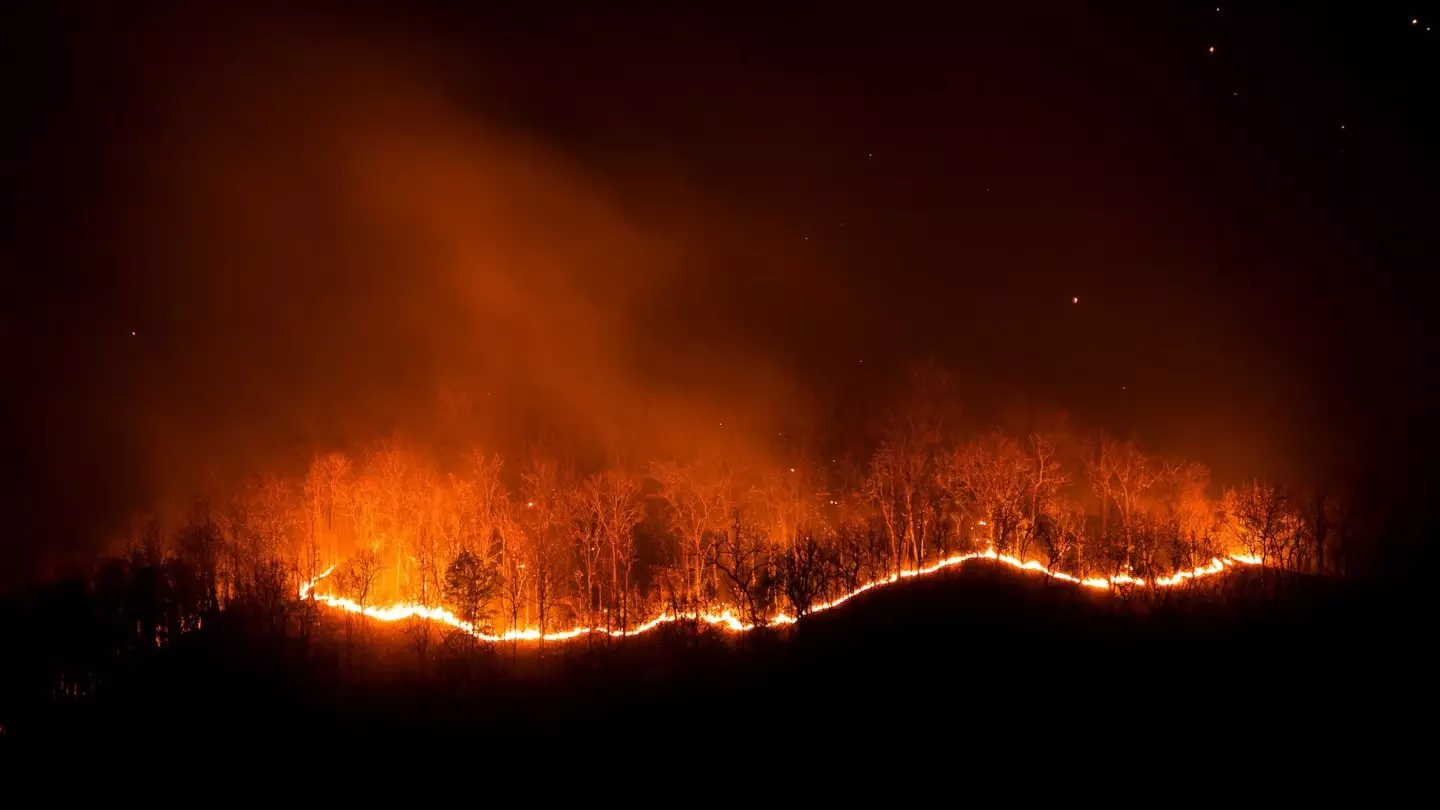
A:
<point x="484" y="503"/>
<point x="326" y="483"/>
<point x="393" y="469"/>
<point x="269" y="573"/>
<point x="547" y="576"/>
<point x="804" y="573"/>
<point x="1265" y="521"/>
<point x="1187" y="520"/>
<point x="886" y="488"/>
<point x="199" y="546"/>
<point x="991" y="478"/>
<point x="1122" y="475"/>
<point x="740" y="555"/>
<point x="1061" y="535"/>
<point x="696" y="511"/>
<point x="515" y="578"/>
<point x="546" y="487"/>
<point x="615" y="499"/>
<point x="588" y="544"/>
<point x="426" y="558"/>
<point x="1044" y="477"/>
<point x="361" y="574"/>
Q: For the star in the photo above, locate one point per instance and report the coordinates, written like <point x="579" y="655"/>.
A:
<point x="1074" y="299"/>
<point x="1212" y="49"/>
<point x="132" y="333"/>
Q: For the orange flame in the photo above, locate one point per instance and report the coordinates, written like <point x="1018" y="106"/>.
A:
<point x="728" y="621"/>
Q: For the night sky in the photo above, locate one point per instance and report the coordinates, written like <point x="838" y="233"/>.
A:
<point x="232" y="235"/>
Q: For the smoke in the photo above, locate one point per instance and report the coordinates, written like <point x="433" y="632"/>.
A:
<point x="327" y="229"/>
<point x="319" y="240"/>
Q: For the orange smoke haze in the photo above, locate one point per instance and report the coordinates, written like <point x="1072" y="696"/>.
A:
<point x="273" y="233"/>
<point x="336" y="248"/>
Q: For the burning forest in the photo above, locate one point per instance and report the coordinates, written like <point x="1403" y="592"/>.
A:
<point x="553" y="554"/>
<point x="515" y="383"/>
<point x="548" y="552"/>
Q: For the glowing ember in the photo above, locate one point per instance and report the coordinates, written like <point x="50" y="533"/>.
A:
<point x="728" y="621"/>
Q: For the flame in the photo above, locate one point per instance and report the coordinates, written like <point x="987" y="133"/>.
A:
<point x="726" y="620"/>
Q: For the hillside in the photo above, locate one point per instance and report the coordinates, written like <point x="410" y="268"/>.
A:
<point x="999" y="654"/>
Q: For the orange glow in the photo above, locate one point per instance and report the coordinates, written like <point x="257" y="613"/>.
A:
<point x="727" y="620"/>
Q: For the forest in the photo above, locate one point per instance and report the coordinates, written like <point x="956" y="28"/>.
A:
<point x="221" y="610"/>
<point x="543" y="543"/>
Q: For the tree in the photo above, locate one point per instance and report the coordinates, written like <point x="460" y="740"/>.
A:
<point x="916" y="430"/>
<point x="1264" y="520"/>
<point x="614" y="498"/>
<point x="199" y="546"/>
<point x="267" y="551"/>
<point x="1122" y="475"/>
<point x="546" y="562"/>
<point x="804" y="573"/>
<point x="900" y="487"/>
<point x="484" y="505"/>
<point x="326" y="483"/>
<point x="859" y="555"/>
<point x="361" y="573"/>
<point x="739" y="554"/>
<point x="426" y="557"/>
<point x="1044" y="476"/>
<point x="885" y="488"/>
<point x="471" y="585"/>
<point x="515" y="577"/>
<point x="1187" y="519"/>
<point x="548" y="511"/>
<point x="791" y="498"/>
<point x="991" y="479"/>
<point x="696" y="501"/>
<point x="1062" y="532"/>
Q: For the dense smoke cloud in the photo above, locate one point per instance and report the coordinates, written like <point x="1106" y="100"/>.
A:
<point x="317" y="244"/>
<point x="332" y="238"/>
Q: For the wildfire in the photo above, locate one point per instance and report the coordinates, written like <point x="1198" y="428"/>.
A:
<point x="728" y="621"/>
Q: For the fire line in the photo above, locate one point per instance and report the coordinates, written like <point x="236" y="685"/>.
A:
<point x="727" y="620"/>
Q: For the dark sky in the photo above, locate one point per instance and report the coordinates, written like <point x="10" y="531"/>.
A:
<point x="315" y="220"/>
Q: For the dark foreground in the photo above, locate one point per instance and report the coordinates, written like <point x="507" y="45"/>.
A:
<point x="980" y="669"/>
